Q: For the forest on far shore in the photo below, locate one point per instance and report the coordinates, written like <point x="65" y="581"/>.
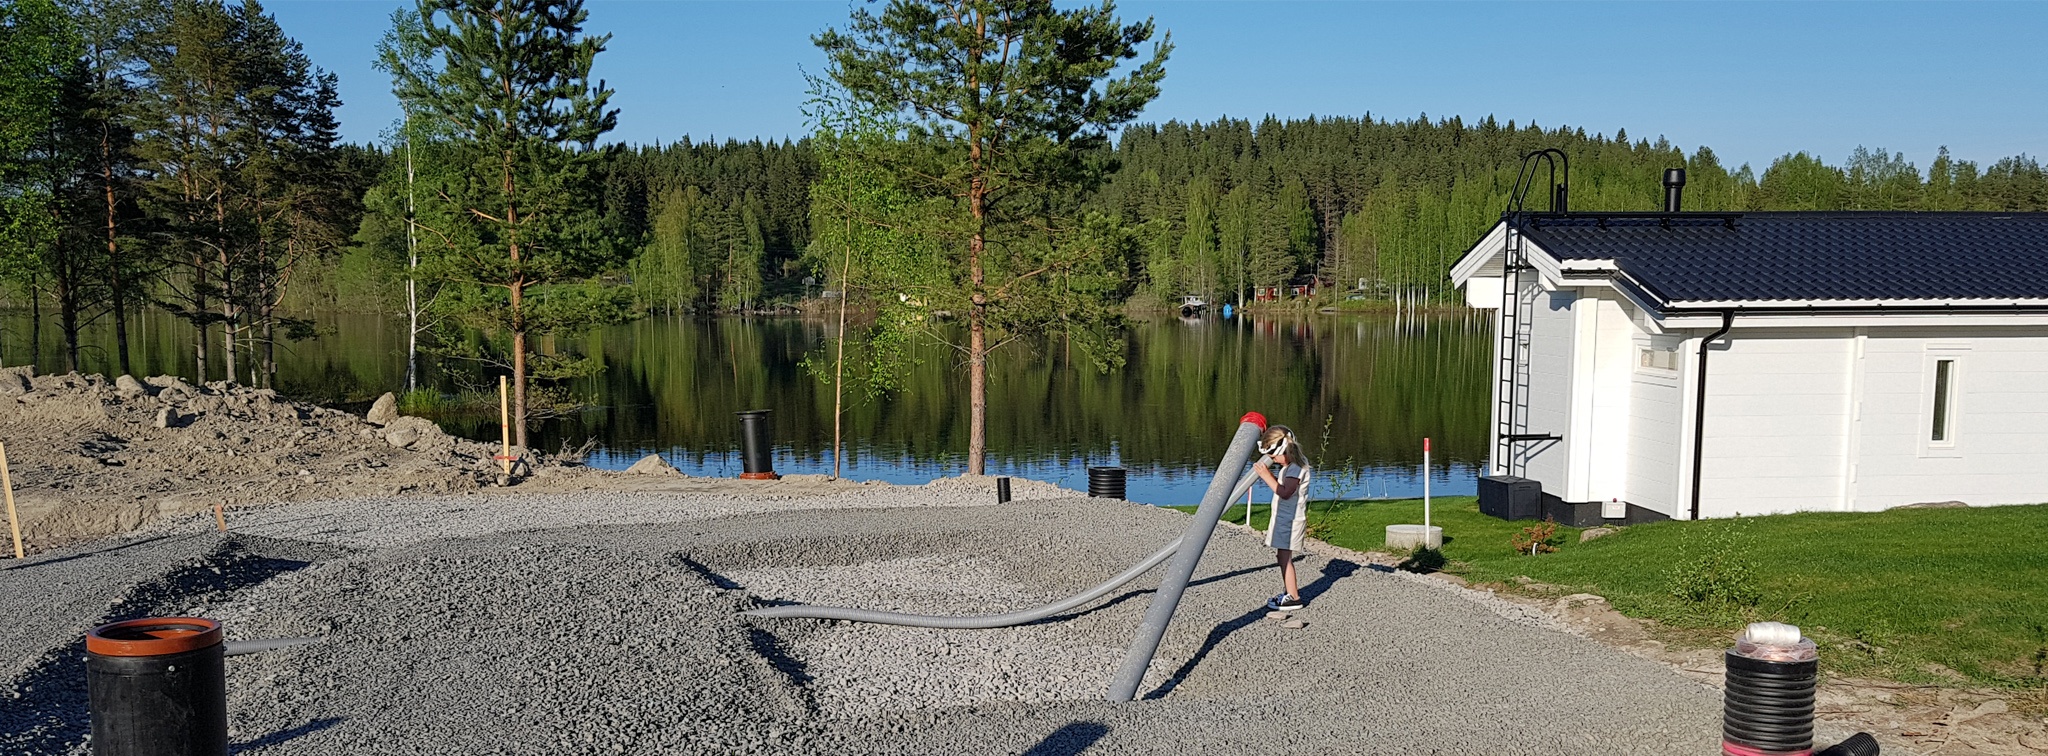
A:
<point x="1223" y="206"/>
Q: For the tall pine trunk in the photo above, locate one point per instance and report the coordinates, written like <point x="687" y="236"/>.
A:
<point x="35" y="324"/>
<point x="199" y="329"/>
<point x="227" y="335"/>
<point x="518" y="368"/>
<point x="518" y="292"/>
<point x="269" y="347"/>
<point x="67" y="322"/>
<point x="977" y="331"/>
<point x="228" y="316"/>
<point x="227" y="279"/>
<point x="119" y="299"/>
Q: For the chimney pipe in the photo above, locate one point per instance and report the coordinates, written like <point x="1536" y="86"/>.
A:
<point x="1674" y="185"/>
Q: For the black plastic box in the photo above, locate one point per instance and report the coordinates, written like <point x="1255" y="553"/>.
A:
<point x="1510" y="498"/>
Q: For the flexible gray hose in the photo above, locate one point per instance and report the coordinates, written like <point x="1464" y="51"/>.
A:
<point x="987" y="621"/>
<point x="969" y="623"/>
<point x="1124" y="686"/>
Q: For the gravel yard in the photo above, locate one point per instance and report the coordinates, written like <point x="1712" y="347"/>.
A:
<point x="606" y="622"/>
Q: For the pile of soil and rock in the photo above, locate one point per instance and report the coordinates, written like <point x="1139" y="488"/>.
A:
<point x="92" y="457"/>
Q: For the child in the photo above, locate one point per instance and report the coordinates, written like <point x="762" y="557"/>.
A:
<point x="1289" y="516"/>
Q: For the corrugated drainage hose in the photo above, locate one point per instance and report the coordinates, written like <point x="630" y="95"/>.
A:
<point x="984" y="622"/>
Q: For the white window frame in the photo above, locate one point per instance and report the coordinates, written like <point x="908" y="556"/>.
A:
<point x="1957" y="355"/>
<point x="1659" y="343"/>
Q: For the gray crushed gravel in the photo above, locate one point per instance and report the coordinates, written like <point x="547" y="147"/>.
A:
<point x="598" y="623"/>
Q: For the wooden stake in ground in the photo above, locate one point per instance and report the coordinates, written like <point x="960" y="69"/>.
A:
<point x="505" y="424"/>
<point x="13" y="524"/>
<point x="220" y="514"/>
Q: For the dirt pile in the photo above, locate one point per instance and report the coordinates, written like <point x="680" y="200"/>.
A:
<point x="92" y="457"/>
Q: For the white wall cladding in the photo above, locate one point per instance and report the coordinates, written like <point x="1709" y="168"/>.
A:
<point x="2001" y="419"/>
<point x="1654" y="425"/>
<point x="1775" y="421"/>
<point x="1605" y="468"/>
<point x="1548" y="363"/>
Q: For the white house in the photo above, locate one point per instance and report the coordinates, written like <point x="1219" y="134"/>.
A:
<point x="1694" y="365"/>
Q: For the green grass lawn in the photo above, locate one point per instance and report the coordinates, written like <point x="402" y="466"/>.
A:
<point x="1888" y="593"/>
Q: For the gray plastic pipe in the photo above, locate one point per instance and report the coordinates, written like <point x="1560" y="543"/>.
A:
<point x="987" y="621"/>
<point x="968" y="623"/>
<point x="1139" y="658"/>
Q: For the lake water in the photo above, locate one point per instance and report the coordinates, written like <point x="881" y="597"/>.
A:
<point x="1360" y="391"/>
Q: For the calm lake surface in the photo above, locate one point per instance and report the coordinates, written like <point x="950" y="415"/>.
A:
<point x="671" y="386"/>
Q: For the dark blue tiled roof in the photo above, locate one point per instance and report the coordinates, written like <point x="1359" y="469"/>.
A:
<point x="1811" y="256"/>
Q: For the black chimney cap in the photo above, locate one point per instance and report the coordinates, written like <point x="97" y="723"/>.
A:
<point x="1674" y="177"/>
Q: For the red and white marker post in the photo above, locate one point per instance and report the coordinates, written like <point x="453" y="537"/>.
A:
<point x="1425" y="485"/>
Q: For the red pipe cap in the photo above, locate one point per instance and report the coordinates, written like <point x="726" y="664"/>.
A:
<point x="1255" y="419"/>
<point x="153" y="636"/>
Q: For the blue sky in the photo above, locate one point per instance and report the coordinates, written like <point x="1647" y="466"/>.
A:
<point x="1751" y="80"/>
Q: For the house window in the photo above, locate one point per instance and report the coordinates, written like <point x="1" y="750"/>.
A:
<point x="1943" y="432"/>
<point x="1653" y="359"/>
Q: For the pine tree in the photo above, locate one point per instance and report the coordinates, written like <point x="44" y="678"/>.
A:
<point x="109" y="33"/>
<point x="238" y="143"/>
<point x="514" y="92"/>
<point x="1015" y="97"/>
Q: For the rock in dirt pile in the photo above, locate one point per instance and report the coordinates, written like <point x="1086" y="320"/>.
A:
<point x="91" y="457"/>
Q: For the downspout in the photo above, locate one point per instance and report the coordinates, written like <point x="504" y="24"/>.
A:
<point x="1699" y="417"/>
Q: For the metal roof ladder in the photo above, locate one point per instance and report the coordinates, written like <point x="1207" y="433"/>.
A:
<point x="1511" y="414"/>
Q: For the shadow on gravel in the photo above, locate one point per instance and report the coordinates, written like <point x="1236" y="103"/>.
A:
<point x="1070" y="740"/>
<point x="48" y="711"/>
<point x="767" y="645"/>
<point x="96" y="552"/>
<point x="283" y="735"/>
<point x="770" y="648"/>
<point x="1336" y="570"/>
<point x="1128" y="595"/>
<point x="710" y="576"/>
